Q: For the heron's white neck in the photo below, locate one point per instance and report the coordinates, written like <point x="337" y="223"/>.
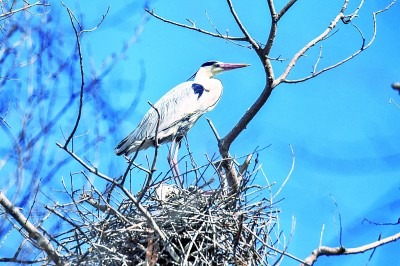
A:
<point x="203" y="74"/>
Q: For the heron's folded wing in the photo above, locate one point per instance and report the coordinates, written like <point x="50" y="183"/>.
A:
<point x="174" y="107"/>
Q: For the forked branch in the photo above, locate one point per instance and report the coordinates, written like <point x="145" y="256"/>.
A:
<point x="323" y="36"/>
<point x="78" y="42"/>
<point x="78" y="31"/>
<point x="310" y="44"/>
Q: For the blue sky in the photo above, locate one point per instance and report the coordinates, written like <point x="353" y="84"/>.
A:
<point x="342" y="128"/>
<point x="340" y="124"/>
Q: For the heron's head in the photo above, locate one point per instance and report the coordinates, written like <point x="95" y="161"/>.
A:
<point x="212" y="68"/>
<point x="215" y="67"/>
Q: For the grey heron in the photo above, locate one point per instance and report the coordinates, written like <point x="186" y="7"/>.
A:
<point x="177" y="111"/>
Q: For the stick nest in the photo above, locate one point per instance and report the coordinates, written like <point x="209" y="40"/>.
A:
<point x="200" y="228"/>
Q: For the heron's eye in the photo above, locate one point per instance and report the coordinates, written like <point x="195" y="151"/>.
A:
<point x="217" y="65"/>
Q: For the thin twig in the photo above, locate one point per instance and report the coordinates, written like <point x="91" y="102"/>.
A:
<point x="214" y="130"/>
<point x="217" y="31"/>
<point x="253" y="43"/>
<point x="318" y="59"/>
<point x="392" y="101"/>
<point x="273" y="248"/>
<point x="321" y="235"/>
<point x="290" y="172"/>
<point x="155" y="156"/>
<point x="71" y="135"/>
<point x="195" y="28"/>
<point x="340" y="221"/>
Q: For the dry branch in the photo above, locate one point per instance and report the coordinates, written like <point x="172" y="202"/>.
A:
<point x="78" y="30"/>
<point x="340" y="17"/>
<point x="78" y="43"/>
<point x="249" y="39"/>
<point x="218" y="35"/>
<point x="37" y="238"/>
<point x="330" y="251"/>
<point x="313" y="42"/>
<point x="25" y="8"/>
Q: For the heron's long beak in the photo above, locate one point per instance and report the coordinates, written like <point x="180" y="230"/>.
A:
<point x="230" y="66"/>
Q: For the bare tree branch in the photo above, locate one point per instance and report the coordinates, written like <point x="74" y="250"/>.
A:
<point x="330" y="251"/>
<point x="273" y="29"/>
<point x="313" y="42"/>
<point x="28" y="6"/>
<point x="323" y="36"/>
<point x="77" y="34"/>
<point x="242" y="28"/>
<point x="286" y="8"/>
<point x="82" y="72"/>
<point x="217" y="31"/>
<point x="289" y="174"/>
<point x="40" y="241"/>
<point x="214" y="130"/>
<point x="218" y="35"/>
<point x="226" y="142"/>
<point x="396" y="104"/>
<point x="349" y="18"/>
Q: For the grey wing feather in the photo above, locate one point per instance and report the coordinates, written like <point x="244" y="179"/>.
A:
<point x="138" y="139"/>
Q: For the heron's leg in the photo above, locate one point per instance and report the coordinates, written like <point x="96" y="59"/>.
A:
<point x="170" y="156"/>
<point x="173" y="158"/>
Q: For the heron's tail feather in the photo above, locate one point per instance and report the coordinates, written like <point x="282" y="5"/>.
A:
<point x="133" y="143"/>
<point x="124" y="147"/>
